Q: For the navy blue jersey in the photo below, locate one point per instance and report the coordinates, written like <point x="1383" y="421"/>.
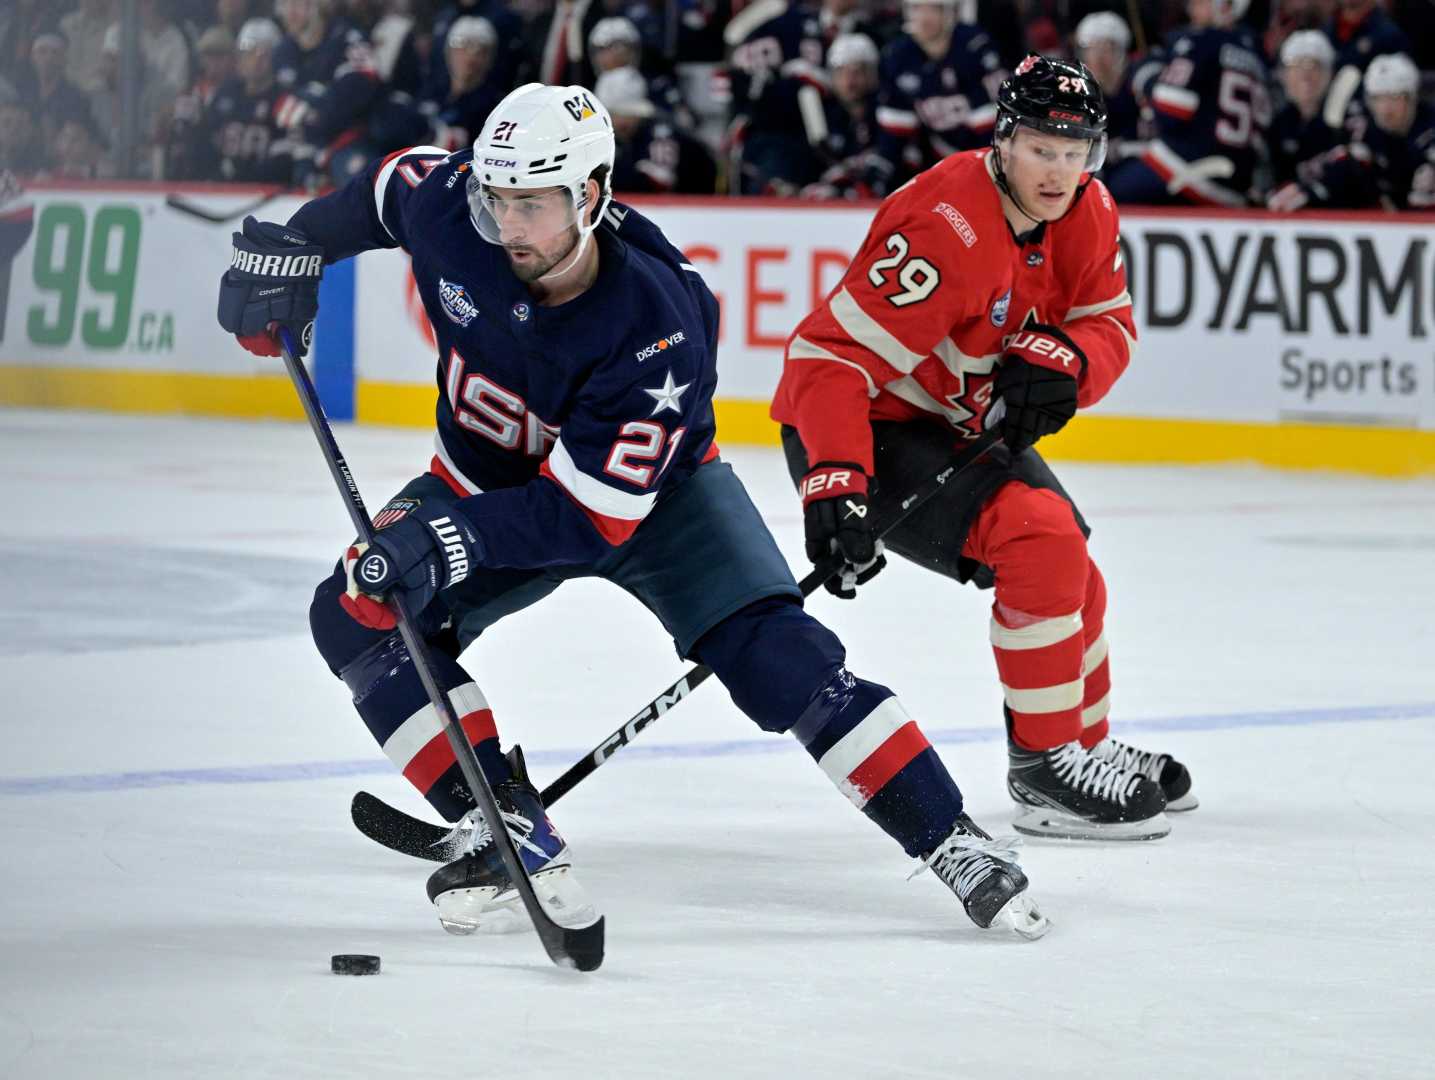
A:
<point x="773" y="44"/>
<point x="661" y="158"/>
<point x="1374" y="168"/>
<point x="561" y="425"/>
<point x="931" y="108"/>
<point x="456" y="121"/>
<point x="1294" y="139"/>
<point x="332" y="85"/>
<point x="245" y="143"/>
<point x="1375" y="35"/>
<point x="1212" y="99"/>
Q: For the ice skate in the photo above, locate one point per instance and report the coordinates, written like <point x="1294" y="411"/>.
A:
<point x="1068" y="793"/>
<point x="1173" y="777"/>
<point x="987" y="880"/>
<point x="475" y="892"/>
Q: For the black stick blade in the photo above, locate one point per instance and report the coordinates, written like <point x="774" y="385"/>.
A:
<point x="581" y="948"/>
<point x="400" y="832"/>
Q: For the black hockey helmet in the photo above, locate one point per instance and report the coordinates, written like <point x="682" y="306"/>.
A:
<point x="1059" y="97"/>
<point x="1055" y="96"/>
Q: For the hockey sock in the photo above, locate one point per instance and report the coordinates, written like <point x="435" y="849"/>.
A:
<point x="1031" y="539"/>
<point x="1095" y="665"/>
<point x="864" y="740"/>
<point x="392" y="702"/>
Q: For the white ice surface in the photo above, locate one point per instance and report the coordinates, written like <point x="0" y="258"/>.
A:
<point x="1273" y="630"/>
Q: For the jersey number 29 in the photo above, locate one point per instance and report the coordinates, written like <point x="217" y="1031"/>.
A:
<point x="916" y="275"/>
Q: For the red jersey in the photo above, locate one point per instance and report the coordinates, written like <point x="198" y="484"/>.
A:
<point x="939" y="291"/>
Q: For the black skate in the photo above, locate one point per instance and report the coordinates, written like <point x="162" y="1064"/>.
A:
<point x="1069" y="793"/>
<point x="987" y="880"/>
<point x="475" y="890"/>
<point x="1173" y="777"/>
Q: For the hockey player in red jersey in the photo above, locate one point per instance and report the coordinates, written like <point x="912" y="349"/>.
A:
<point x="993" y="277"/>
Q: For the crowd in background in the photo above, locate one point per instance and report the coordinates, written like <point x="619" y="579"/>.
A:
<point x="1282" y="103"/>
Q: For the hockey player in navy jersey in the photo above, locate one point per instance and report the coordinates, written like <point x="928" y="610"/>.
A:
<point x="938" y="87"/>
<point x="243" y="141"/>
<point x="1360" y="30"/>
<point x="1212" y="108"/>
<point x="1299" y="130"/>
<point x="576" y="366"/>
<point x="1388" y="159"/>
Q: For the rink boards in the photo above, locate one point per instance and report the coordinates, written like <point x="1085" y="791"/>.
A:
<point x="1299" y="341"/>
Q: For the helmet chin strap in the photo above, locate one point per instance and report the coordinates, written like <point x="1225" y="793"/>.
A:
<point x="1000" y="172"/>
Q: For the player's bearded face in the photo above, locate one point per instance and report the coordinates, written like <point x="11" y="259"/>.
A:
<point x="536" y="228"/>
<point x="1043" y="171"/>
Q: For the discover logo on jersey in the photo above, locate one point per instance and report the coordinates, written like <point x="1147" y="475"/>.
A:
<point x="677" y="337"/>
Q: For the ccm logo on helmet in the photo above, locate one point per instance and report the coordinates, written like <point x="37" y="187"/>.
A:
<point x="502" y="163"/>
<point x="1040" y="345"/>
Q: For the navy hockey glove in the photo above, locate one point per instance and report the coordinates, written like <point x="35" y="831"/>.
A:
<point x="1038" y="382"/>
<point x="836" y="518"/>
<point x="415" y="556"/>
<point x="273" y="277"/>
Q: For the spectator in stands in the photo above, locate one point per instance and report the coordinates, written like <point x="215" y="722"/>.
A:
<point x="938" y="87"/>
<point x="241" y="137"/>
<point x="233" y="14"/>
<point x="653" y="154"/>
<point x="84" y="30"/>
<point x="77" y="152"/>
<point x="19" y="149"/>
<point x="188" y="154"/>
<point x="326" y="70"/>
<point x="51" y="98"/>
<point x="106" y="104"/>
<point x="21" y="22"/>
<point x="163" y="44"/>
<point x="1389" y="160"/>
<point x="1299" y="131"/>
<point x="457" y="116"/>
<point x="847" y="148"/>
<point x="1360" y="31"/>
<point x="512" y="64"/>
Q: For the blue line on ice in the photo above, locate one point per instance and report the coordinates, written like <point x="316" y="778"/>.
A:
<point x="260" y="774"/>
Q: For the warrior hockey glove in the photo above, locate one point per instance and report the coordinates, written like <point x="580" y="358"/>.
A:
<point x="414" y="556"/>
<point x="273" y="277"/>
<point x="836" y="518"/>
<point x="1037" y="380"/>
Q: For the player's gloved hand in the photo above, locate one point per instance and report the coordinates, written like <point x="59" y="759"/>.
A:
<point x="836" y="518"/>
<point x="415" y="556"/>
<point x="1287" y="198"/>
<point x="273" y="278"/>
<point x="1038" y="382"/>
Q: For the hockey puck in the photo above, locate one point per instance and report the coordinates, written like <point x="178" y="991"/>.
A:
<point x="353" y="964"/>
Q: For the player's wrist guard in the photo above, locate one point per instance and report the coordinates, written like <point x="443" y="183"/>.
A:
<point x="836" y="519"/>
<point x="273" y="277"/>
<point x="1039" y="400"/>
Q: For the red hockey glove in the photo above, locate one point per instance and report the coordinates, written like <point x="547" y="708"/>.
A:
<point x="836" y="518"/>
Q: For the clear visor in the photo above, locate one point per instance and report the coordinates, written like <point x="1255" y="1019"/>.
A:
<point x="523" y="217"/>
<point x="1095" y="140"/>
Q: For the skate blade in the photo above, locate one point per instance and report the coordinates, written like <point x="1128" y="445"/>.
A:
<point x="1022" y="917"/>
<point x="461" y="911"/>
<point x="1186" y="802"/>
<point x="1037" y="821"/>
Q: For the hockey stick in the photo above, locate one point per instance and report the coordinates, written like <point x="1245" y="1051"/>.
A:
<point x="409" y="835"/>
<point x="184" y="206"/>
<point x="580" y="948"/>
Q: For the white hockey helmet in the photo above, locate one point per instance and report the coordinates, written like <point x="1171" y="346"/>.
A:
<point x="543" y="137"/>
<point x="1103" y="26"/>
<point x="614" y="30"/>
<point x="624" y="92"/>
<point x="1394" y="73"/>
<point x="958" y="11"/>
<point x="258" y="34"/>
<point x="1310" y="45"/>
<point x="852" y="49"/>
<point x="470" y="32"/>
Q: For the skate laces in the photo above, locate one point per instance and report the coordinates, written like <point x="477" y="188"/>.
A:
<point x="964" y="860"/>
<point x="1146" y="762"/>
<point x="1091" y="774"/>
<point x="480" y="835"/>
